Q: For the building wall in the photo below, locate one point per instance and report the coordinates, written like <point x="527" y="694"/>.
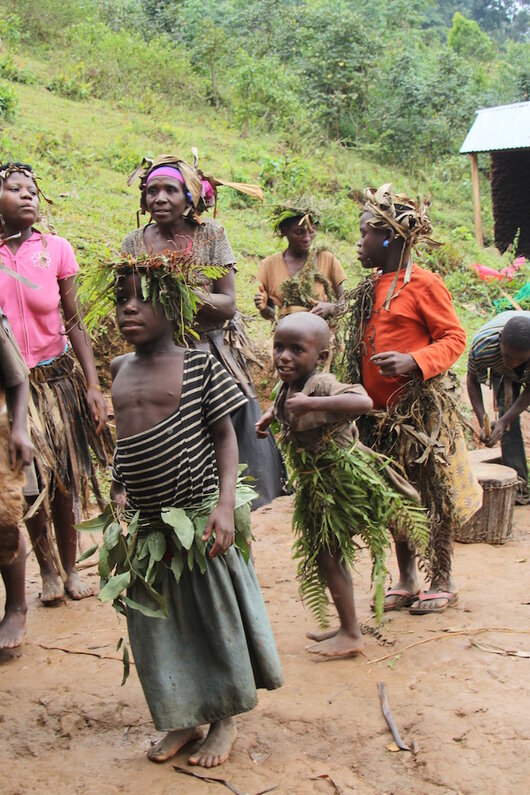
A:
<point x="510" y="192"/>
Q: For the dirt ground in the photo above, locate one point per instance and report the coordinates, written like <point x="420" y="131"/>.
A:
<point x="66" y="725"/>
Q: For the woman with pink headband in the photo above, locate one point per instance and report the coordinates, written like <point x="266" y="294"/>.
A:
<point x="175" y="195"/>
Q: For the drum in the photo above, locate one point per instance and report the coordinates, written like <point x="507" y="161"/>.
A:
<point x="486" y="455"/>
<point x="492" y="524"/>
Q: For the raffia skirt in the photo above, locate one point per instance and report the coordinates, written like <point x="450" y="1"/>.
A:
<point x="64" y="432"/>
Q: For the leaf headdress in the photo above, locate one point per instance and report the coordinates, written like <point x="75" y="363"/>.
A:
<point x="409" y="220"/>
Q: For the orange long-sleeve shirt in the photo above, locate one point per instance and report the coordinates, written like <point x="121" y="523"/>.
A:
<point x="421" y="321"/>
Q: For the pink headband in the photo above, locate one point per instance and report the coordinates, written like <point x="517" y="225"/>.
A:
<point x="165" y="171"/>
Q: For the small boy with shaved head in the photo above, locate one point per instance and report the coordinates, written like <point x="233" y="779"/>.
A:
<point x="342" y="489"/>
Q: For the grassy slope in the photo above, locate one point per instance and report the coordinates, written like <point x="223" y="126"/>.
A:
<point x="84" y="150"/>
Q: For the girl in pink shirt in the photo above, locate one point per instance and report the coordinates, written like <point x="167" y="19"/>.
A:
<point x="69" y="402"/>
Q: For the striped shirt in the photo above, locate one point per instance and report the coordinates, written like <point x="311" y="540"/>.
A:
<point x="173" y="463"/>
<point x="485" y="353"/>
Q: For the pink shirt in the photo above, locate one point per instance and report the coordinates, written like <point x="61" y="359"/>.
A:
<point x="35" y="315"/>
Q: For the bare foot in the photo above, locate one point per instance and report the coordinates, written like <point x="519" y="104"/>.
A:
<point x="52" y="588"/>
<point x="76" y="588"/>
<point x="171" y="744"/>
<point x="320" y="636"/>
<point x="340" y="645"/>
<point x="12" y="629"/>
<point x="217" y="746"/>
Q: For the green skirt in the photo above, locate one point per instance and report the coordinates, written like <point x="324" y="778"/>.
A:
<point x="207" y="659"/>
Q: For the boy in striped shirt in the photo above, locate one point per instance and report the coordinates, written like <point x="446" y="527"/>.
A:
<point x="500" y="353"/>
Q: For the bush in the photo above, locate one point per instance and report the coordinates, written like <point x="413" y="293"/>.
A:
<point x="71" y="82"/>
<point x="12" y="71"/>
<point x="8" y="102"/>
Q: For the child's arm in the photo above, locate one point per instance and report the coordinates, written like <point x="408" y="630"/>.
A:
<point x="221" y="518"/>
<point x="21" y="450"/>
<point x="347" y="404"/>
<point x="263" y="423"/>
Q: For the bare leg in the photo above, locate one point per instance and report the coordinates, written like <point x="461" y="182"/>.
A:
<point x="13" y="624"/>
<point x="348" y="641"/>
<point x="216" y="748"/>
<point x="66" y="535"/>
<point x="52" y="585"/>
<point x="171" y="744"/>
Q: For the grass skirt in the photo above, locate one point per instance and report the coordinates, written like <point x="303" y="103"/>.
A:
<point x="63" y="431"/>
<point x="11" y="501"/>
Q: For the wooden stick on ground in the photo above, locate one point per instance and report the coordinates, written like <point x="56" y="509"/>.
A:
<point x="450" y="633"/>
<point x="381" y="687"/>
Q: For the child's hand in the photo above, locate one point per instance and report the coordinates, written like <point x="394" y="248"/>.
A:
<point x="221" y="520"/>
<point x="263" y="423"/>
<point x="21" y="451"/>
<point x="299" y="404"/>
<point x="392" y="363"/>
<point x="118" y="495"/>
<point x="260" y="299"/>
<point x="323" y="309"/>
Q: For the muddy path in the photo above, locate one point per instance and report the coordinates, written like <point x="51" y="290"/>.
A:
<point x="66" y="725"/>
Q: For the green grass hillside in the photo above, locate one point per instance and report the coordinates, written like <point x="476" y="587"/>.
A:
<point x="84" y="149"/>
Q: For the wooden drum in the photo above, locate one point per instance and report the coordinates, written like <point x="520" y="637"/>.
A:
<point x="492" y="524"/>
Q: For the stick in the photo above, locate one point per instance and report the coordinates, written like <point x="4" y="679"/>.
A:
<point x="381" y="687"/>
<point x="222" y="781"/>
<point x="447" y="634"/>
<point x="80" y="651"/>
<point x="326" y="777"/>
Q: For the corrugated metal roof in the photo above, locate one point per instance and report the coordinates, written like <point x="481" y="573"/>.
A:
<point x="503" y="127"/>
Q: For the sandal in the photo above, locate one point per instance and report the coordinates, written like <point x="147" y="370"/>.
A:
<point x="423" y="604"/>
<point x="402" y="599"/>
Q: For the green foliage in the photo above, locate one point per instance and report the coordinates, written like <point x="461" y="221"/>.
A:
<point x="263" y="92"/>
<point x="8" y="101"/>
<point x="467" y="39"/>
<point x="10" y="30"/>
<point x="71" y="81"/>
<point x="14" y="71"/>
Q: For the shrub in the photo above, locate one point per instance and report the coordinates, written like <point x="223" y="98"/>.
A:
<point x="8" y="101"/>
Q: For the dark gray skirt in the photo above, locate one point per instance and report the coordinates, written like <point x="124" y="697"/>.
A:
<point x="206" y="660"/>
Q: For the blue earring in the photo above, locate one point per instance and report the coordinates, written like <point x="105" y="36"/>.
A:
<point x="385" y="243"/>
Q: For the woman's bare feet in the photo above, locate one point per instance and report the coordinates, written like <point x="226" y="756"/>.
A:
<point x="76" y="588"/>
<point x="52" y="588"/>
<point x="12" y="629"/>
<point x="171" y="744"/>
<point x="320" y="636"/>
<point x="340" y="645"/>
<point x="217" y="746"/>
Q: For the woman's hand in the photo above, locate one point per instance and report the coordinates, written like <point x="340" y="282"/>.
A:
<point x="97" y="406"/>
<point x="21" y="450"/>
<point x="221" y="520"/>
<point x="263" y="424"/>
<point x="392" y="363"/>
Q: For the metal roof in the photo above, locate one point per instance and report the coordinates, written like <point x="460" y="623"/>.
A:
<point x="495" y="129"/>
